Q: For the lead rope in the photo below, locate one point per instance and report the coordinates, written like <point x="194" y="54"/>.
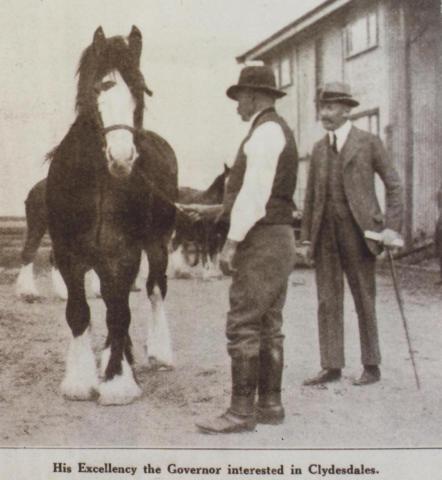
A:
<point x="160" y="194"/>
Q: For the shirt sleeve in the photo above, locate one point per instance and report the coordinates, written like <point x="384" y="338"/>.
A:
<point x="262" y="151"/>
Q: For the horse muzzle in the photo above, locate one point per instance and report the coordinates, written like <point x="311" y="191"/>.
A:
<point x="120" y="168"/>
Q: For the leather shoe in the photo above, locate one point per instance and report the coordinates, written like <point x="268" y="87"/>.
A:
<point x="228" y="422"/>
<point x="324" y="376"/>
<point x="270" y="414"/>
<point x="371" y="374"/>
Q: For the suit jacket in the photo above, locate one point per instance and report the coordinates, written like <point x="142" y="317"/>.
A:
<point x="363" y="155"/>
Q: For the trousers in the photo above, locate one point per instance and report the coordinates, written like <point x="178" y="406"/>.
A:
<point x="263" y="263"/>
<point x="342" y="249"/>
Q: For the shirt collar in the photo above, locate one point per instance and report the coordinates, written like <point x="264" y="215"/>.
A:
<point x="254" y="117"/>
<point x="341" y="134"/>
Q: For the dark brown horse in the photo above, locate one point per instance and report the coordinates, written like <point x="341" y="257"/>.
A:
<point x="36" y="227"/>
<point x="111" y="189"/>
<point x="204" y="239"/>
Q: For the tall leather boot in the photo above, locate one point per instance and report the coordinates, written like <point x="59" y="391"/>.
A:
<point x="269" y="408"/>
<point x="240" y="416"/>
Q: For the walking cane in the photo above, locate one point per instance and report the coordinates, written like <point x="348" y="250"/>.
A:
<point x="397" y="243"/>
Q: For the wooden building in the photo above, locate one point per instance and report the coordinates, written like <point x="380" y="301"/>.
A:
<point x="389" y="51"/>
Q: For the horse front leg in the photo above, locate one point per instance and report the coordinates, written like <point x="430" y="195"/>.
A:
<point x="158" y="344"/>
<point x="58" y="284"/>
<point x="119" y="386"/>
<point x="81" y="380"/>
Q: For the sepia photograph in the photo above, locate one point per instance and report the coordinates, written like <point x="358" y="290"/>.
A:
<point x="220" y="239"/>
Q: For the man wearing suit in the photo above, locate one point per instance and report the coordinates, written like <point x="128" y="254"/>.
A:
<point x="340" y="205"/>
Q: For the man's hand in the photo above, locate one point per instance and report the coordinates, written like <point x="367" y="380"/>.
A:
<point x="305" y="251"/>
<point x="192" y="211"/>
<point x="389" y="237"/>
<point x="196" y="211"/>
<point x="227" y="256"/>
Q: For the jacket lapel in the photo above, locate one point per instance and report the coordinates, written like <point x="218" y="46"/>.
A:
<point x="323" y="165"/>
<point x="351" y="146"/>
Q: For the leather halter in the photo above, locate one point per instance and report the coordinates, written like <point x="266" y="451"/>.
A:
<point x="119" y="126"/>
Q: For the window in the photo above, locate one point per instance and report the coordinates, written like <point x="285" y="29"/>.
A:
<point x="319" y="71"/>
<point x="361" y="34"/>
<point x="368" y="121"/>
<point x="282" y="68"/>
<point x="285" y="70"/>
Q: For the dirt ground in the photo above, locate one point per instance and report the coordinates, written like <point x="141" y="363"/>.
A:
<point x="392" y="413"/>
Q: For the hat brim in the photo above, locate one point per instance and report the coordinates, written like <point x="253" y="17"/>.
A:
<point x="345" y="100"/>
<point x="233" y="91"/>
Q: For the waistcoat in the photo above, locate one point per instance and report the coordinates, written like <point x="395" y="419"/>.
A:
<point x="336" y="198"/>
<point x="280" y="205"/>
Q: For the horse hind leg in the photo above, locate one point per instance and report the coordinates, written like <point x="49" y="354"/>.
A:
<point x="25" y="286"/>
<point x="119" y="386"/>
<point x="158" y="344"/>
<point x="81" y="380"/>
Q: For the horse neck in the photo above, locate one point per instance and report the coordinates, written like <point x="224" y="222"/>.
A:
<point x="86" y="144"/>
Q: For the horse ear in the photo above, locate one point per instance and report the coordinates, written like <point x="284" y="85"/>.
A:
<point x="226" y="169"/>
<point x="135" y="43"/>
<point x="99" y="40"/>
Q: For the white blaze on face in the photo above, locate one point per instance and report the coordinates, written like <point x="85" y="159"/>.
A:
<point x="116" y="106"/>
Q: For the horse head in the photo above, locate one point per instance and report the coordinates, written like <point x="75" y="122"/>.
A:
<point x="215" y="193"/>
<point x="111" y="91"/>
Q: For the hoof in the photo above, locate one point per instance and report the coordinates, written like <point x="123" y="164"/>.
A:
<point x="154" y="363"/>
<point x="118" y="392"/>
<point x="73" y="391"/>
<point x="121" y="389"/>
<point x="31" y="297"/>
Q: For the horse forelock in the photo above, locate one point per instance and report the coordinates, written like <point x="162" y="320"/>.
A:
<point x="93" y="66"/>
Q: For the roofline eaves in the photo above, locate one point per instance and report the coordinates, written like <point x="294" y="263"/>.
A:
<point x="321" y="11"/>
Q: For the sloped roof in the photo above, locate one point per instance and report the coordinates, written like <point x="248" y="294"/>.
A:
<point x="324" y="9"/>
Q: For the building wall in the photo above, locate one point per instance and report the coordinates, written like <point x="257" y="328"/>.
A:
<point x="397" y="79"/>
<point x="425" y="35"/>
<point x="370" y="88"/>
<point x="367" y="72"/>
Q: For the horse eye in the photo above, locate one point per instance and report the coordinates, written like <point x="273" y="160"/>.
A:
<point x="107" y="85"/>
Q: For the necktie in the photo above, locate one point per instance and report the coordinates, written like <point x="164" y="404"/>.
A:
<point x="335" y="143"/>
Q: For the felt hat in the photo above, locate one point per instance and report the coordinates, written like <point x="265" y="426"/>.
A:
<point x="259" y="78"/>
<point x="337" y="92"/>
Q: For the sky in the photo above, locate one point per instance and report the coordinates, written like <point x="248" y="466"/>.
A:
<point x="188" y="60"/>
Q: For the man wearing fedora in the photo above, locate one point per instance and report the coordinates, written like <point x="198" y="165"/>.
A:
<point x="259" y="253"/>
<point x="340" y="205"/>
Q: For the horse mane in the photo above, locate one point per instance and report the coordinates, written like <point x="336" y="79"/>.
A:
<point x="94" y="65"/>
<point x="50" y="155"/>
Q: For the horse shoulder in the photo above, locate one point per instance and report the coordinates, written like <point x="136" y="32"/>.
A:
<point x="153" y="144"/>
